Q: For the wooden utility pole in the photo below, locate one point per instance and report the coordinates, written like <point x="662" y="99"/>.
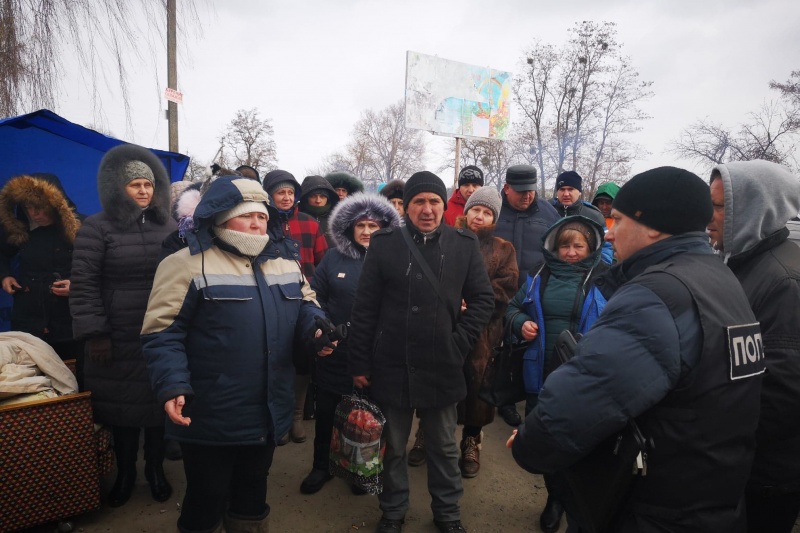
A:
<point x="172" y="75"/>
<point x="458" y="162"/>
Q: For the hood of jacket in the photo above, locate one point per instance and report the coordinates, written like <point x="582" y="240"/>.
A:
<point x="609" y="189"/>
<point x="312" y="184"/>
<point x="37" y="192"/>
<point x="760" y="198"/>
<point x="345" y="180"/>
<point x="549" y="239"/>
<point x="353" y="208"/>
<point x="117" y="205"/>
<point x="225" y="193"/>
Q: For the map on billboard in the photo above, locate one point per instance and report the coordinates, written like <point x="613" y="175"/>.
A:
<point x="453" y="98"/>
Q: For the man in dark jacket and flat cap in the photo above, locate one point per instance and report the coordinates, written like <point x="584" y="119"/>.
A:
<point x="409" y="340"/>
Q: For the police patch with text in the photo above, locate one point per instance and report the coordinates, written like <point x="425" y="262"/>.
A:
<point x="746" y="351"/>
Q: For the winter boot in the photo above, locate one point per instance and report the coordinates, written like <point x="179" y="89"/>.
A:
<point x="417" y="455"/>
<point x="470" y="461"/>
<point x="126" y="448"/>
<point x="550" y="519"/>
<point x="298" y="432"/>
<point x="238" y="524"/>
<point x="154" y="446"/>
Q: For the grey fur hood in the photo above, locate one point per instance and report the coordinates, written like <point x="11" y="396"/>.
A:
<point x="760" y="198"/>
<point x="352" y="208"/>
<point x="117" y="205"/>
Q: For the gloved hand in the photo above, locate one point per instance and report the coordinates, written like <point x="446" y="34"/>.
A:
<point x="98" y="349"/>
<point x="328" y="334"/>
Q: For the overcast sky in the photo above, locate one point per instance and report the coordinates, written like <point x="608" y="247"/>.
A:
<point x="314" y="66"/>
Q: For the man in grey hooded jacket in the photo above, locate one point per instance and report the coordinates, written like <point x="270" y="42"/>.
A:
<point x="752" y="201"/>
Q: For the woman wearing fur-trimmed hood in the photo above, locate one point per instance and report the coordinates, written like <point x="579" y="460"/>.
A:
<point x="335" y="282"/>
<point x="115" y="260"/>
<point x="38" y="225"/>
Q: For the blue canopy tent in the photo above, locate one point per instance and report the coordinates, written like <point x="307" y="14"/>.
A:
<point x="45" y="142"/>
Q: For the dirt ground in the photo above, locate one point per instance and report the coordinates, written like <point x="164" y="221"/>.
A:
<point x="502" y="498"/>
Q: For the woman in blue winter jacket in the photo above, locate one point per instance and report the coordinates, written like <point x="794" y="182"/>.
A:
<point x="351" y="224"/>
<point x="559" y="295"/>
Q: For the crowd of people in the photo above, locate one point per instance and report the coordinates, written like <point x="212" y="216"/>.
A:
<point x="217" y="316"/>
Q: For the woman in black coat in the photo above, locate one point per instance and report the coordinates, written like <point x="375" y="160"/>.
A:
<point x="38" y="224"/>
<point x="335" y="282"/>
<point x="114" y="263"/>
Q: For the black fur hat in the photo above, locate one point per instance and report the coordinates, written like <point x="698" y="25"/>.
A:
<point x="345" y="180"/>
<point x="111" y="181"/>
<point x="393" y="189"/>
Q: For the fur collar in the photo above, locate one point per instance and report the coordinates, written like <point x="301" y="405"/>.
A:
<point x="117" y="205"/>
<point x="352" y="208"/>
<point x="37" y="192"/>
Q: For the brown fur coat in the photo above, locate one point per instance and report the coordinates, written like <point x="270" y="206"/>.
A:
<point x="501" y="263"/>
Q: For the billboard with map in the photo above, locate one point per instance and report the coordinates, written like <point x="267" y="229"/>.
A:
<point x="452" y="98"/>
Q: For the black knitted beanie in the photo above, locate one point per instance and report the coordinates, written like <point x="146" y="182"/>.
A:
<point x="667" y="199"/>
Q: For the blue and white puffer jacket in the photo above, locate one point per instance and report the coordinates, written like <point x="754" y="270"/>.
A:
<point x="219" y="330"/>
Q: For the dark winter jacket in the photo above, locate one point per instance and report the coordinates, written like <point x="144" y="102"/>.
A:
<point x="219" y="330"/>
<point x="501" y="265"/>
<point x="766" y="195"/>
<point x="336" y="280"/>
<point x="524" y="230"/>
<point x="318" y="184"/>
<point x="38" y="257"/>
<point x="556" y="280"/>
<point x="411" y="344"/>
<point x="115" y="259"/>
<point x="664" y="351"/>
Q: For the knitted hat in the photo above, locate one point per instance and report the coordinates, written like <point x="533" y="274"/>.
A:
<point x="521" y="178"/>
<point x="470" y="174"/>
<point x="487" y="197"/>
<point x="424" y="182"/>
<point x="134" y="170"/>
<point x="570" y="178"/>
<point x="240" y="209"/>
<point x="666" y="199"/>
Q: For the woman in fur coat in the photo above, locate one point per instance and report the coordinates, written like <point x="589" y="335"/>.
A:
<point x="352" y="223"/>
<point x="38" y="224"/>
<point x="480" y="214"/>
<point x="115" y="260"/>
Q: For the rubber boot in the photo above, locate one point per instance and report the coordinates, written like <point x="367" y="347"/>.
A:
<point x="154" y="446"/>
<point x="298" y="432"/>
<point x="237" y="524"/>
<point x="126" y="448"/>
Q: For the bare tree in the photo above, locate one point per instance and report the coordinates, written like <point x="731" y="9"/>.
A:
<point x="249" y="140"/>
<point x="771" y="133"/>
<point x="492" y="156"/>
<point x="579" y="103"/>
<point x="36" y="36"/>
<point x="381" y="148"/>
